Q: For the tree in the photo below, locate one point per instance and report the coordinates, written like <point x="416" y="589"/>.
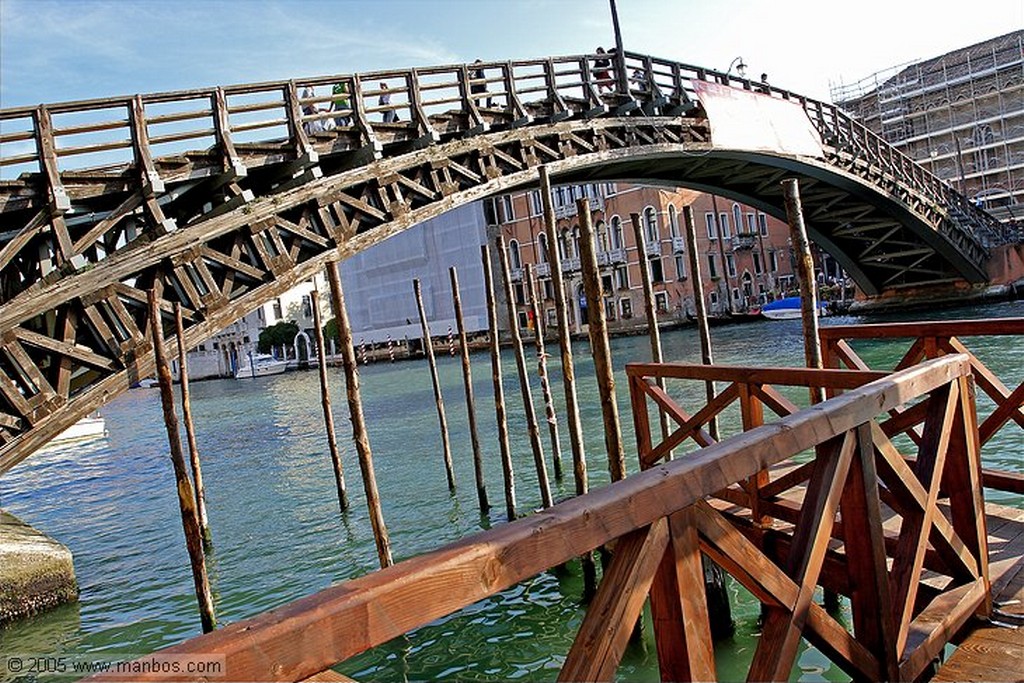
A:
<point x="331" y="332"/>
<point x="281" y="334"/>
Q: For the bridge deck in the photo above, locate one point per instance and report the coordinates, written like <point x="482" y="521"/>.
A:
<point x="994" y="653"/>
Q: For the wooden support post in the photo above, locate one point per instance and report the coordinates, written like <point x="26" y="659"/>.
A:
<point x="355" y="409"/>
<point x="508" y="474"/>
<point x="805" y="272"/>
<point x="467" y="377"/>
<point x="190" y="432"/>
<point x="428" y="346"/>
<point x="542" y="372"/>
<point x="524" y="378"/>
<point x="572" y="406"/>
<point x="186" y="498"/>
<point x="653" y="333"/>
<point x="599" y="344"/>
<point x="703" y="331"/>
<point x="325" y="402"/>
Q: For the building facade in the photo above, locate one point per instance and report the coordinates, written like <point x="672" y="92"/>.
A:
<point x="960" y="115"/>
<point x="744" y="255"/>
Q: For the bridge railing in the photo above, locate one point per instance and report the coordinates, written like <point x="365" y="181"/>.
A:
<point x="1004" y="409"/>
<point x="659" y="523"/>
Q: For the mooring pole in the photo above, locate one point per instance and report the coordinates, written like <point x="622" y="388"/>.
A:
<point x="805" y="273"/>
<point x="600" y="346"/>
<point x="542" y="373"/>
<point x="572" y="407"/>
<point x="190" y="431"/>
<point x="467" y="380"/>
<point x="355" y="408"/>
<point x="438" y="400"/>
<point x="703" y="330"/>
<point x="325" y="403"/>
<point x="186" y="496"/>
<point x="524" y="379"/>
<point x="508" y="474"/>
<point x="653" y="333"/>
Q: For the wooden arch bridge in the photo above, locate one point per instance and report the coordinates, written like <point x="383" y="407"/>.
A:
<point x="221" y="199"/>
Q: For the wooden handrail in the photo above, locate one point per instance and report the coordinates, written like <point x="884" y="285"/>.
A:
<point x="309" y="635"/>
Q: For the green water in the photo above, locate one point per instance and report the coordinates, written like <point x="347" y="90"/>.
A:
<point x="278" y="534"/>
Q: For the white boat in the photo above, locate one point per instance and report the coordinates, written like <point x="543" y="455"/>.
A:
<point x="92" y="427"/>
<point x="260" y="365"/>
<point x="788" y="308"/>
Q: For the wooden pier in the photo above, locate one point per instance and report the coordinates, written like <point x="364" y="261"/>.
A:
<point x="875" y="494"/>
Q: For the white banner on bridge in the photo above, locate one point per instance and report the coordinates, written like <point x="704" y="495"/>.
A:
<point x="741" y="119"/>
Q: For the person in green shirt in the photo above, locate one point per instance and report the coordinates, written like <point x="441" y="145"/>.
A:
<point x="341" y="103"/>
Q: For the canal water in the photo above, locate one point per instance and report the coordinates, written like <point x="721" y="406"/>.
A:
<point x="278" y="534"/>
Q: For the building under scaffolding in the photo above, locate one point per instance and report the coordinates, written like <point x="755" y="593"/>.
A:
<point x="960" y="115"/>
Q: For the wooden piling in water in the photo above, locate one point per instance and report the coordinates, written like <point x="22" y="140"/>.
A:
<point x="508" y="474"/>
<point x="186" y="496"/>
<point x="805" y="274"/>
<point x="542" y="373"/>
<point x="467" y="380"/>
<point x="651" y="312"/>
<point x="703" y="330"/>
<point x="524" y="379"/>
<point x="325" y="403"/>
<point x="599" y="344"/>
<point x="190" y="431"/>
<point x="442" y="420"/>
<point x="355" y="409"/>
<point x="572" y="408"/>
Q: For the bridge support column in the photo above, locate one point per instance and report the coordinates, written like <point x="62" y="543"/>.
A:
<point x="36" y="572"/>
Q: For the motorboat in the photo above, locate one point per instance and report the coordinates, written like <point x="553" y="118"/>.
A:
<point x="260" y="365"/>
<point x="788" y="308"/>
<point x="90" y="427"/>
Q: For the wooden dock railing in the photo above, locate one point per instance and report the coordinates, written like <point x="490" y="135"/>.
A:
<point x="932" y="340"/>
<point x="658" y="522"/>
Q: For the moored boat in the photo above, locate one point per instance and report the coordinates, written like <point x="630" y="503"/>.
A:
<point x="91" y="427"/>
<point x="788" y="308"/>
<point x="260" y="365"/>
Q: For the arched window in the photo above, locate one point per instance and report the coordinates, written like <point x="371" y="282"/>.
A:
<point x="576" y="241"/>
<point x="673" y="221"/>
<point x="737" y="217"/>
<point x="542" y="248"/>
<point x="514" y="261"/>
<point x="602" y="236"/>
<point x="651" y="225"/>
<point x="616" y="236"/>
<point x="563" y="244"/>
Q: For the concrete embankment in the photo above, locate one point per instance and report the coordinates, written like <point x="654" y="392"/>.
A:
<point x="36" y="572"/>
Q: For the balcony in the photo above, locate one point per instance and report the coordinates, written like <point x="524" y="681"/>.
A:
<point x="744" y="240"/>
<point x="616" y="256"/>
<point x="654" y="248"/>
<point x="678" y="244"/>
<point x="515" y="274"/>
<point x="542" y="269"/>
<point x="569" y="209"/>
<point x="602" y="259"/>
<point x="570" y="265"/>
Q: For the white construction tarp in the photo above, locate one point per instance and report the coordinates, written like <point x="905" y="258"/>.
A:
<point x="741" y="119"/>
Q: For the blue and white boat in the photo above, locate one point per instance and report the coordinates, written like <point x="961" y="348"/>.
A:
<point x="788" y="308"/>
<point x="260" y="365"/>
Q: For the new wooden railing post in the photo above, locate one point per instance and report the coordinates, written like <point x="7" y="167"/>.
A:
<point x="508" y="474"/>
<point x="599" y="344"/>
<point x="524" y="378"/>
<point x="190" y="431"/>
<point x="442" y="420"/>
<point x="186" y="497"/>
<point x="467" y="377"/>
<point x="653" y="333"/>
<point x="703" y="330"/>
<point x="325" y="403"/>
<point x="355" y="408"/>
<point x="542" y="372"/>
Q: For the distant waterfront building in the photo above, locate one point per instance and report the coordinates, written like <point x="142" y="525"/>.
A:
<point x="744" y="254"/>
<point x="960" y="115"/>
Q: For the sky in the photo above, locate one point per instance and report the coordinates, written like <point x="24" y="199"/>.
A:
<point x="58" y="50"/>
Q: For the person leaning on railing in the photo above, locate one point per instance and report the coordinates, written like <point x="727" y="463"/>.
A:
<point x="341" y="103"/>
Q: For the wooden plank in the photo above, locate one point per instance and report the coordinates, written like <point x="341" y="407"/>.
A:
<point x="990" y="654"/>
<point x="608" y="624"/>
<point x="937" y="624"/>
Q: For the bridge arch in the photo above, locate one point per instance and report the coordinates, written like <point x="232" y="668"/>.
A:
<point x="223" y="230"/>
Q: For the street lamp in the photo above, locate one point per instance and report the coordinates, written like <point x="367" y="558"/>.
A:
<point x="741" y="67"/>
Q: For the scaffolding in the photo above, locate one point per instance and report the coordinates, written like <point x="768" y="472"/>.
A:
<point x="960" y="115"/>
